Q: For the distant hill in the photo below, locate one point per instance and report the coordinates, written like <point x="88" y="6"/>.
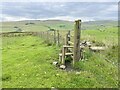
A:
<point x="38" y="25"/>
<point x="99" y="24"/>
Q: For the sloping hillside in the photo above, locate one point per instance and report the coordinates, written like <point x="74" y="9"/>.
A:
<point x="38" y="25"/>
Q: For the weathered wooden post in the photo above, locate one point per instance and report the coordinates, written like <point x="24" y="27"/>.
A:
<point x="58" y="38"/>
<point x="47" y="37"/>
<point x="43" y="35"/>
<point x="63" y="55"/>
<point x="50" y="37"/>
<point x="66" y="39"/>
<point x="54" y="36"/>
<point x="40" y="35"/>
<point x="76" y="49"/>
<point x="66" y="42"/>
<point x="69" y="37"/>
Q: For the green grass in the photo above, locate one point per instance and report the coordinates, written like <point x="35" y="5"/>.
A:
<point x="103" y="65"/>
<point x="109" y="36"/>
<point x="27" y="62"/>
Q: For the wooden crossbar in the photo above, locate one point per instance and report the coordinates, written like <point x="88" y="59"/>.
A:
<point x="66" y="46"/>
<point x="66" y="54"/>
<point x="97" y="48"/>
<point x="70" y="42"/>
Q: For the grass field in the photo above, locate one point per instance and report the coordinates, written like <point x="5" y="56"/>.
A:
<point x="37" y="26"/>
<point x="27" y="61"/>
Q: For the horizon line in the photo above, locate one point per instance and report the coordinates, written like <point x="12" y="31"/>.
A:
<point x="56" y="20"/>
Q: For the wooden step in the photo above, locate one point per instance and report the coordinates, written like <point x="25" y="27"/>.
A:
<point x="97" y="48"/>
<point x="66" y="54"/>
<point x="66" y="46"/>
<point x="70" y="42"/>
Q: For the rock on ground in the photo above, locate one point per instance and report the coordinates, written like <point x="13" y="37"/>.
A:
<point x="62" y="66"/>
<point x="55" y="63"/>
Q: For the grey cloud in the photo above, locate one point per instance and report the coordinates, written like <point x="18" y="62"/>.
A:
<point x="37" y="10"/>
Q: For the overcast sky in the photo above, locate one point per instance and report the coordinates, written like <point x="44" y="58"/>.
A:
<point x="87" y="11"/>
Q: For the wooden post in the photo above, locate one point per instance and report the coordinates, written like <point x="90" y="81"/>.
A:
<point x="69" y="36"/>
<point x="63" y="55"/>
<point x="54" y="36"/>
<point x="43" y="35"/>
<point x="50" y="37"/>
<point x="76" y="49"/>
<point x="66" y="39"/>
<point x="66" y="42"/>
<point x="40" y="34"/>
<point x="47" y="37"/>
<point x="58" y="38"/>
